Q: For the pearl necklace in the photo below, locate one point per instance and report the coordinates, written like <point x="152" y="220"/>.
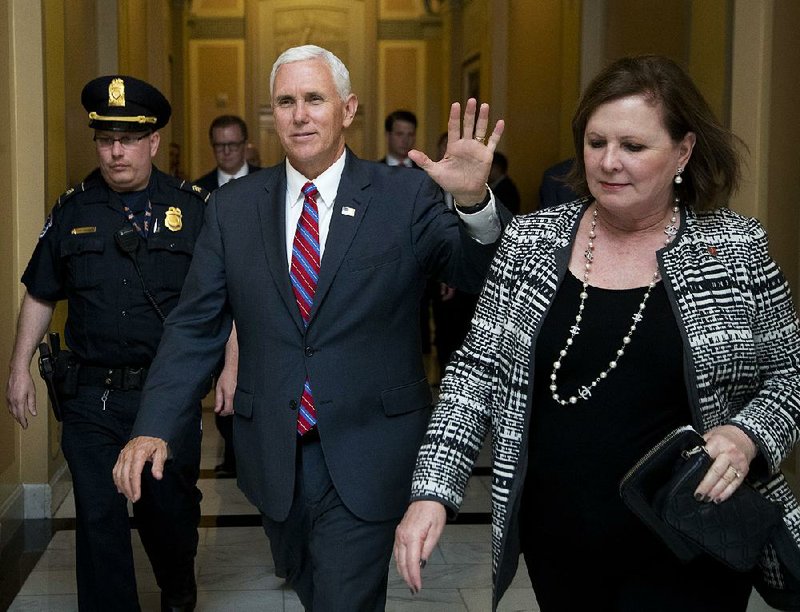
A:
<point x="585" y="392"/>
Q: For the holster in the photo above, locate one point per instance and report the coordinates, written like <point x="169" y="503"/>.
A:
<point x="59" y="370"/>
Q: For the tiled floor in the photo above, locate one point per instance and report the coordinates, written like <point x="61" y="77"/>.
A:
<point x="235" y="572"/>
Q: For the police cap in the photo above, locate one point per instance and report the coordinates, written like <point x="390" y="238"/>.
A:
<point x="124" y="103"/>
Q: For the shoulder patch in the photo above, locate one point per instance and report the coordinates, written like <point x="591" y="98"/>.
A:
<point x="48" y="223"/>
<point x="196" y="190"/>
<point x="69" y="193"/>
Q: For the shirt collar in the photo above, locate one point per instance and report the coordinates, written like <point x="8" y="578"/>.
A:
<point x="224" y="177"/>
<point x="391" y="160"/>
<point x="327" y="183"/>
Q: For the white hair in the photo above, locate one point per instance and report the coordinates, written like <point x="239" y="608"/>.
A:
<point x="339" y="72"/>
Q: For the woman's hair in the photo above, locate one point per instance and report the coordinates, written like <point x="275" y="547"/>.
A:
<point x="339" y="72"/>
<point x="713" y="172"/>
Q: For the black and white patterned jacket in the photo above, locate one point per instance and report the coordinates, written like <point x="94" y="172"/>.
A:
<point x="741" y="347"/>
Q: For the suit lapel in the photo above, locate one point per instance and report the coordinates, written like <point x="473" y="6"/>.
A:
<point x="272" y="221"/>
<point x="352" y="200"/>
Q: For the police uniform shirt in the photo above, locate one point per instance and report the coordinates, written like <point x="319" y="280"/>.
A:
<point x="110" y="322"/>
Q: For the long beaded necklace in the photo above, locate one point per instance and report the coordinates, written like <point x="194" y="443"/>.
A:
<point x="585" y="392"/>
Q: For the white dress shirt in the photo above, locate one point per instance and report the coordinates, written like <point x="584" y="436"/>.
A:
<point x="484" y="225"/>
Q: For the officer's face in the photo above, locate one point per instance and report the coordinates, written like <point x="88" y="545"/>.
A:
<point x="126" y="167"/>
<point x="310" y="116"/>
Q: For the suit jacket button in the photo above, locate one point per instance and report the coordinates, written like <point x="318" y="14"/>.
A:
<point x="309" y="351"/>
<point x="293" y="404"/>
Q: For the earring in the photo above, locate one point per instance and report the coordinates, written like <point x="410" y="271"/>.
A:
<point x="678" y="178"/>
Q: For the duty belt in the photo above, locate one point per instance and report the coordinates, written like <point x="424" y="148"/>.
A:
<point x="126" y="378"/>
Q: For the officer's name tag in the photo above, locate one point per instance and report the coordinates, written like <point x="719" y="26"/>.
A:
<point x="84" y="230"/>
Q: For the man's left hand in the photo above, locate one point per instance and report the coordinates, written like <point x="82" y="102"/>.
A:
<point x="130" y="464"/>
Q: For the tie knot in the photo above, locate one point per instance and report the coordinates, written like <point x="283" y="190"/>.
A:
<point x="310" y="191"/>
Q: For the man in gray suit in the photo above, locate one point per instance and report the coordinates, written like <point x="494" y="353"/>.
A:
<point x="322" y="268"/>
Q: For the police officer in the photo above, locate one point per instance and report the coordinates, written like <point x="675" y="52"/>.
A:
<point x="117" y="247"/>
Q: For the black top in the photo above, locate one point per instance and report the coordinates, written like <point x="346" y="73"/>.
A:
<point x="579" y="453"/>
<point x="109" y="320"/>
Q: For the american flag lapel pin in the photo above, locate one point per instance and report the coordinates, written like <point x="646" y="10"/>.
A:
<point x="347" y="211"/>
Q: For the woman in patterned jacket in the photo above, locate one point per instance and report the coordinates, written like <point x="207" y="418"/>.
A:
<point x="603" y="325"/>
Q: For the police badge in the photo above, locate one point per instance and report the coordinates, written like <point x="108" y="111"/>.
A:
<point x="116" y="93"/>
<point x="173" y="219"/>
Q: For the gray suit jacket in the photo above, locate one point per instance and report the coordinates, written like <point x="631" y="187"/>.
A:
<point x="360" y="351"/>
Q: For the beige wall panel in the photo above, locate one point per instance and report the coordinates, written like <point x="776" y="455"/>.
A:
<point x="533" y="136"/>
<point x="750" y="94"/>
<point x="401" y="84"/>
<point x="81" y="67"/>
<point x="9" y="283"/>
<point x="22" y="97"/>
<point x="400" y="9"/>
<point x="216" y="69"/>
<point x="648" y="26"/>
<point x="783" y="159"/>
<point x="217" y="8"/>
<point x="56" y="165"/>
<point x="709" y="54"/>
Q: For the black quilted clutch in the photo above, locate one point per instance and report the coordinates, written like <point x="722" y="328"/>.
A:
<point x="659" y="489"/>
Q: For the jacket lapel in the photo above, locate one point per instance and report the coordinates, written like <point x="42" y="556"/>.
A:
<point x="272" y="221"/>
<point x="351" y="203"/>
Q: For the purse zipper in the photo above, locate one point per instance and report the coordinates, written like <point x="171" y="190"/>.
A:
<point x="654" y="450"/>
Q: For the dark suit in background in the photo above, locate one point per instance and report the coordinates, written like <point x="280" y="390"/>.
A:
<point x="502" y="186"/>
<point x="210" y="181"/>
<point x="554" y="190"/>
<point x="228" y="137"/>
<point x="506" y="191"/>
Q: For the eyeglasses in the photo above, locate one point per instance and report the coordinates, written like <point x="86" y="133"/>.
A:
<point x="227" y="146"/>
<point x="127" y="142"/>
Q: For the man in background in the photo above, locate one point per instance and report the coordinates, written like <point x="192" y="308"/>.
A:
<point x="401" y="136"/>
<point x="228" y="137"/>
<point x="502" y="185"/>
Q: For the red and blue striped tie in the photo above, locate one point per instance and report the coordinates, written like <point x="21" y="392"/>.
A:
<point x="304" y="274"/>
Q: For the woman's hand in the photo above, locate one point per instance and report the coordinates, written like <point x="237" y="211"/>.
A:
<point x="415" y="538"/>
<point x="731" y="451"/>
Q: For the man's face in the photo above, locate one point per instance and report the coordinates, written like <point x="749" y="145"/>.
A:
<point x="126" y="158"/>
<point x="310" y="117"/>
<point x="401" y="139"/>
<point x="229" y="147"/>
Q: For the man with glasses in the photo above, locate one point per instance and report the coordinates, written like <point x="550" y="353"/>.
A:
<point x="228" y="136"/>
<point x="117" y="247"/>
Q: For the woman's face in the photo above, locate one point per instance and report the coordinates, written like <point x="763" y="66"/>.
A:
<point x="630" y="158"/>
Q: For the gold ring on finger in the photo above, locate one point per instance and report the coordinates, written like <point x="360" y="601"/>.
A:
<point x="480" y="139"/>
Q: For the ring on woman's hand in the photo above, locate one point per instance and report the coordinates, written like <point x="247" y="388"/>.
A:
<point x="480" y="139"/>
<point x="736" y="474"/>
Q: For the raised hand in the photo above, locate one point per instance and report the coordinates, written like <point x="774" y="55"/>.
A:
<point x="464" y="169"/>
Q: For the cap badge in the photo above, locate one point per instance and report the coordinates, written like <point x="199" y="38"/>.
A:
<point x="116" y="93"/>
<point x="173" y="219"/>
